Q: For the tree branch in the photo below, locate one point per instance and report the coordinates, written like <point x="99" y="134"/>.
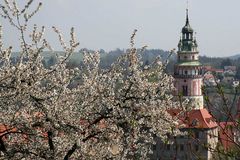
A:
<point x="50" y="141"/>
<point x="74" y="147"/>
<point x="70" y="152"/>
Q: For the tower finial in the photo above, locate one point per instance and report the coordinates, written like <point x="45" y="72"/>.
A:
<point x="187" y="19"/>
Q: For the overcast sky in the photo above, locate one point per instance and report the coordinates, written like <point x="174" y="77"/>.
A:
<point x="108" y="24"/>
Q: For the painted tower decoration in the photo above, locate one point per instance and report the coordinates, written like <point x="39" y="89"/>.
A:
<point x="188" y="70"/>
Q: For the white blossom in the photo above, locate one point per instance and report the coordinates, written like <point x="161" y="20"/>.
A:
<point x="111" y="113"/>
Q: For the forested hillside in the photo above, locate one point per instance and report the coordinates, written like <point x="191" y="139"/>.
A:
<point x="148" y="55"/>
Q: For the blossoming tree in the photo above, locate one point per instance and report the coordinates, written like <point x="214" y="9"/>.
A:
<point x="111" y="113"/>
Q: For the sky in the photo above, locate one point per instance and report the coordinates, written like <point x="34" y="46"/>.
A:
<point x="108" y="24"/>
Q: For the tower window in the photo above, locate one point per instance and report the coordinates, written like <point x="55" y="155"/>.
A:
<point x="196" y="134"/>
<point x="192" y="57"/>
<point x="193" y="72"/>
<point x="181" y="147"/>
<point x="196" y="148"/>
<point x="180" y="72"/>
<point x="210" y="135"/>
<point x="186" y="72"/>
<point x="185" y="57"/>
<point x="185" y="90"/>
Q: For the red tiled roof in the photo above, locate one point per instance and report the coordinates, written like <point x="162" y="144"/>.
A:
<point x="200" y="118"/>
<point x="207" y="67"/>
<point x="213" y="70"/>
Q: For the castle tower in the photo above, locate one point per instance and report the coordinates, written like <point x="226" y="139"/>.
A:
<point x="188" y="70"/>
<point x="201" y="127"/>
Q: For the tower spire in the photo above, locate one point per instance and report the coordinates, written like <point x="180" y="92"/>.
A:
<point x="187" y="19"/>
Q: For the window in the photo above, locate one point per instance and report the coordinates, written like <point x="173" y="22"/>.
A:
<point x="210" y="135"/>
<point x="196" y="134"/>
<point x="186" y="72"/>
<point x="181" y="147"/>
<point x="185" y="57"/>
<point x="193" y="72"/>
<point x="180" y="71"/>
<point x="196" y="148"/>
<point x="185" y="90"/>
<point x="192" y="57"/>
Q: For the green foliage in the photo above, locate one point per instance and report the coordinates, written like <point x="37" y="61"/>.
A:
<point x="226" y="62"/>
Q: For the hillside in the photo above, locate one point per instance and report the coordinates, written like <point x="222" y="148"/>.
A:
<point x="234" y="57"/>
<point x="107" y="58"/>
